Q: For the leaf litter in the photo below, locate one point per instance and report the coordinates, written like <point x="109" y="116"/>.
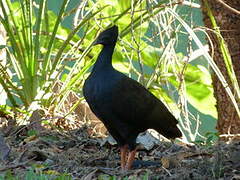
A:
<point x="83" y="150"/>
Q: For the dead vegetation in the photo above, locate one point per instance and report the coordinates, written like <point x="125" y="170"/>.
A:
<point x="81" y="150"/>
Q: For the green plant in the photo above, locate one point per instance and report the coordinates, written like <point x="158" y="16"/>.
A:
<point x="31" y="175"/>
<point x="33" y="70"/>
<point x="47" y="61"/>
<point x="210" y="139"/>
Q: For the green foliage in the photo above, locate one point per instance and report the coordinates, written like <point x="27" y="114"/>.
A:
<point x="31" y="175"/>
<point x="106" y="177"/>
<point x="198" y="87"/>
<point x="234" y="98"/>
<point x="46" y="60"/>
<point x="33" y="69"/>
<point x="210" y="139"/>
<point x="32" y="133"/>
<point x="5" y="110"/>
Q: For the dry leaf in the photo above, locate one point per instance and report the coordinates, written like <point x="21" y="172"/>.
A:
<point x="174" y="160"/>
<point x="30" y="138"/>
<point x="35" y="120"/>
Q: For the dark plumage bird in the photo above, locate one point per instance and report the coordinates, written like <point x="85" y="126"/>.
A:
<point x="124" y="106"/>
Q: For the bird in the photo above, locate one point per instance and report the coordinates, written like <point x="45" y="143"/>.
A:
<point x="125" y="107"/>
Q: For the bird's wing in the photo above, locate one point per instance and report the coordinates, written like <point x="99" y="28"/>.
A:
<point x="138" y="109"/>
<point x="132" y="102"/>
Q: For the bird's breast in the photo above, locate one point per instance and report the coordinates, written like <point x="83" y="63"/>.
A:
<point x="98" y="88"/>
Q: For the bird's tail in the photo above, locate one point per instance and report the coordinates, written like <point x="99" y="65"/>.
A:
<point x="174" y="132"/>
<point x="170" y="132"/>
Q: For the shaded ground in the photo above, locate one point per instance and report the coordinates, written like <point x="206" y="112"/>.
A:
<point x="81" y="155"/>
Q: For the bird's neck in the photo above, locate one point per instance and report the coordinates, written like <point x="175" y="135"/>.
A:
<point x="104" y="59"/>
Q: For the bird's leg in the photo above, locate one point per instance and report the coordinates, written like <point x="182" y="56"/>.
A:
<point x="123" y="151"/>
<point x="131" y="157"/>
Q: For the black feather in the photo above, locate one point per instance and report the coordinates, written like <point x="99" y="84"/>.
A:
<point x="124" y="106"/>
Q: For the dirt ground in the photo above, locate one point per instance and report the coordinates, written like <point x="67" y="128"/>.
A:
<point x="81" y="153"/>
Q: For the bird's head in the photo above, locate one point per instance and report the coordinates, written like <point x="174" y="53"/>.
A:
<point x="107" y="37"/>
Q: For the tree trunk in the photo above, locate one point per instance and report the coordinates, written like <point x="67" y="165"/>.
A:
<point x="229" y="25"/>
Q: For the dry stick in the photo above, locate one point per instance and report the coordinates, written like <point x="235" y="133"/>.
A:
<point x="167" y="171"/>
<point x="229" y="7"/>
<point x="229" y="135"/>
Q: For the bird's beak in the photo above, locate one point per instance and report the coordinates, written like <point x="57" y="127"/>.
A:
<point x="96" y="42"/>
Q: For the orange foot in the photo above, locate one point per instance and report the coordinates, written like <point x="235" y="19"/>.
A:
<point x="127" y="159"/>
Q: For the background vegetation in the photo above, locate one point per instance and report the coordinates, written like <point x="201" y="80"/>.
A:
<point x="50" y="44"/>
<point x="161" y="44"/>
